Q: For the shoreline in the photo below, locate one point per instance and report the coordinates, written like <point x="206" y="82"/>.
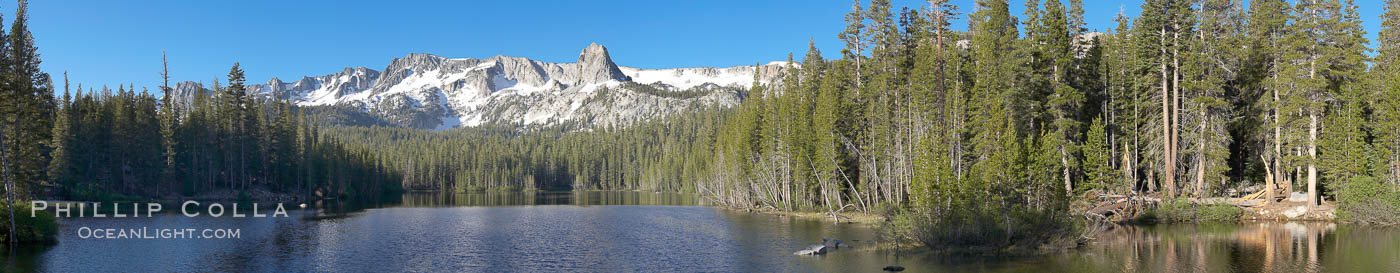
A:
<point x="869" y="219"/>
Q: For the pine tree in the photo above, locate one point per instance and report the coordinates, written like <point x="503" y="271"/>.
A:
<point x="1268" y="21"/>
<point x="1098" y="172"/>
<point x="1123" y="100"/>
<point x="1158" y="42"/>
<point x="1385" y="76"/>
<point x="235" y="110"/>
<point x="825" y="136"/>
<point x="1343" y="150"/>
<point x="60" y="166"/>
<point x="853" y="37"/>
<point x="1343" y="147"/>
<point x="1055" y="41"/>
<point x="1306" y="88"/>
<point x="27" y="107"/>
<point x="1206" y="68"/>
<point x="168" y="120"/>
<point x="991" y="120"/>
<point x="1324" y="52"/>
<point x="939" y="100"/>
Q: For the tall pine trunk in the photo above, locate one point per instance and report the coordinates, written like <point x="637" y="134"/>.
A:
<point x="1169" y="181"/>
<point x="1312" y="156"/>
<point x="9" y="183"/>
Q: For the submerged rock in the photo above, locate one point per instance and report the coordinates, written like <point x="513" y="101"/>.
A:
<point x="812" y="250"/>
<point x="833" y="243"/>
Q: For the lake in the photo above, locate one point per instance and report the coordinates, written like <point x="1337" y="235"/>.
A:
<point x="651" y="232"/>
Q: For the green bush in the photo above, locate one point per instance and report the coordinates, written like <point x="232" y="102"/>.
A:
<point x="41" y="228"/>
<point x="244" y="198"/>
<point x="1368" y="200"/>
<point x="90" y="192"/>
<point x="888" y="210"/>
<point x="1218" y="212"/>
<point x="471" y="189"/>
<point x="982" y="229"/>
<point x="1178" y="210"/>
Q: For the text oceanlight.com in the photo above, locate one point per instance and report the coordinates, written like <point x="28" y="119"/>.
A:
<point x="187" y="209"/>
<point x="158" y="233"/>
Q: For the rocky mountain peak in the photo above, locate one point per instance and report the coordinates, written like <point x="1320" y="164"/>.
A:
<point x="416" y="60"/>
<point x="594" y="51"/>
<point x="306" y="81"/>
<point x="186" y="91"/>
<point x="433" y="92"/>
<point x="595" y="65"/>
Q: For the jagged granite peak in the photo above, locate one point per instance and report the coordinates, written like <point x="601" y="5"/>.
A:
<point x="434" y="92"/>
<point x="597" y="66"/>
<point x="189" y="88"/>
<point x="317" y="90"/>
<point x="186" y="91"/>
<point x="304" y="82"/>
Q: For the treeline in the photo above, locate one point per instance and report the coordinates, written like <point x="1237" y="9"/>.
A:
<point x="100" y="145"/>
<point x="26" y="109"/>
<point x="993" y="131"/>
<point x="107" y="145"/>
<point x="1023" y="114"/>
<point x="657" y="155"/>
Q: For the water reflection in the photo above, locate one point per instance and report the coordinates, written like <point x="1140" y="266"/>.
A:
<point x="580" y="198"/>
<point x="1247" y="247"/>
<point x="650" y="232"/>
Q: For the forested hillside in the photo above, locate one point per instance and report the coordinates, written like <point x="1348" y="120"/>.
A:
<point x="97" y="144"/>
<point x="657" y="155"/>
<point x="1023" y="114"/>
<point x="986" y="131"/>
<point x="1002" y="126"/>
<point x="127" y="143"/>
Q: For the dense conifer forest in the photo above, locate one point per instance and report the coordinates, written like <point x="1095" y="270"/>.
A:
<point x="99" y="144"/>
<point x="980" y="133"/>
<point x="129" y="144"/>
<point x="1003" y="126"/>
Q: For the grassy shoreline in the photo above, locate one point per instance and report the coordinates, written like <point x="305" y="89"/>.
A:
<point x="863" y="218"/>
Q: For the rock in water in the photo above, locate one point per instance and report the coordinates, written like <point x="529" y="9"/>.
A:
<point x="894" y="268"/>
<point x="812" y="250"/>
<point x="832" y="243"/>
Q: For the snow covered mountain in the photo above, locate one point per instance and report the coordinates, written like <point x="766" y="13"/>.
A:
<point x="432" y="92"/>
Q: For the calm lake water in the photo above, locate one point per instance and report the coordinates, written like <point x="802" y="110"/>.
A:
<point x="649" y="232"/>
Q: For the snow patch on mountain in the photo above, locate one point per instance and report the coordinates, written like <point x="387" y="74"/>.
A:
<point x="432" y="92"/>
<point x="686" y="78"/>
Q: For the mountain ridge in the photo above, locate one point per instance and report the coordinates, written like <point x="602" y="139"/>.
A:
<point x="427" y="91"/>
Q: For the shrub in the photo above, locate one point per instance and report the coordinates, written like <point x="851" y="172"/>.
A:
<point x="1218" y="212"/>
<point x="243" y="197"/>
<point x="471" y="189"/>
<point x="980" y="229"/>
<point x="1367" y="200"/>
<point x="41" y="228"/>
<point x="1176" y="210"/>
<point x="90" y="192"/>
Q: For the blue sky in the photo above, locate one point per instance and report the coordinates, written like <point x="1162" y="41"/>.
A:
<point x="120" y="42"/>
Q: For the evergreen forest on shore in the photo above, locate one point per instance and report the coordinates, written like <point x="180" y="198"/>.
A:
<point x="999" y="133"/>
